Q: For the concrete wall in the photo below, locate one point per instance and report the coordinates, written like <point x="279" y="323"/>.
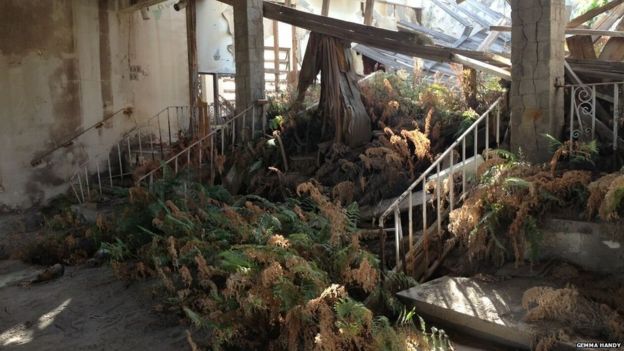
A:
<point x="597" y="247"/>
<point x="64" y="65"/>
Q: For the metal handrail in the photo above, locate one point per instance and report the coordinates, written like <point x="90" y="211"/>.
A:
<point x="436" y="166"/>
<point x="81" y="175"/>
<point x="36" y="161"/>
<point x="199" y="142"/>
<point x="145" y="124"/>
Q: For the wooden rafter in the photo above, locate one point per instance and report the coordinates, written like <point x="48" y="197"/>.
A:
<point x="368" y="12"/>
<point x="604" y="33"/>
<point x="593" y="13"/>
<point x="614" y="48"/>
<point x="398" y="42"/>
<point x="480" y="66"/>
<point x="141" y="4"/>
<point x="491" y="38"/>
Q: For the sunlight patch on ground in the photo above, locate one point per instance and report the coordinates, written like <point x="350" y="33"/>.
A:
<point x="23" y="334"/>
<point x="18" y="335"/>
<point x="47" y="319"/>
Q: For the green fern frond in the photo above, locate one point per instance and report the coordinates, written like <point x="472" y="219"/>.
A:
<point x="234" y="261"/>
<point x="517" y="183"/>
<point x="553" y="142"/>
<point x="195" y="318"/>
<point x="353" y="216"/>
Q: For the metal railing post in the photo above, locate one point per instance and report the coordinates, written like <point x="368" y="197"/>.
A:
<point x="439" y="204"/>
<point x="594" y="102"/>
<point x="487" y="136"/>
<point x="572" y="112"/>
<point x="397" y="239"/>
<point x="411" y="222"/>
<point x="425" y="178"/>
<point x="616" y="112"/>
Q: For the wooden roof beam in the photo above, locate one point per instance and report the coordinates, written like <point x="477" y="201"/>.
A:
<point x="570" y="31"/>
<point x="491" y="38"/>
<point x="593" y="13"/>
<point x="398" y="42"/>
<point x="482" y="66"/>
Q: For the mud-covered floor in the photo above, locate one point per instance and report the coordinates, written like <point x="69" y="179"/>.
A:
<point x="85" y="309"/>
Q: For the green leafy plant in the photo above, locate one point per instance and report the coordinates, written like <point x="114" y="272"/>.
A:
<point x="257" y="274"/>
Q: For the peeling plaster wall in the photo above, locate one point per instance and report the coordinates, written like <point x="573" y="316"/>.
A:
<point x="65" y="65"/>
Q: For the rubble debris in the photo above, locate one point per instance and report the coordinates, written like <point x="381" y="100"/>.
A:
<point x="50" y="273"/>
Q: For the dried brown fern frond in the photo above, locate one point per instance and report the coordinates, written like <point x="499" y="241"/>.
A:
<point x="422" y="144"/>
<point x="545" y="343"/>
<point x="566" y="183"/>
<point x="186" y="276"/>
<point x="570" y="308"/>
<point x="279" y="241"/>
<point x="191" y="342"/>
<point x="377" y="152"/>
<point x="493" y="160"/>
<point x="367" y="161"/>
<point x="137" y="195"/>
<point x="597" y="191"/>
<point x="365" y="276"/>
<point x="570" y="149"/>
<point x="390" y="110"/>
<point x="219" y="162"/>
<point x="271" y="274"/>
<point x="171" y="248"/>
<point x="334" y="213"/>
<point x="613" y="200"/>
<point x="428" y="121"/>
<point x="400" y="145"/>
<point x="344" y="192"/>
<point x="466" y="218"/>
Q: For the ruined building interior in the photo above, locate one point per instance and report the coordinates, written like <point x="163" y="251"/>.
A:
<point x="311" y="174"/>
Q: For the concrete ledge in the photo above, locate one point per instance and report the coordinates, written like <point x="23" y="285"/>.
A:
<point x="597" y="247"/>
<point x="490" y="310"/>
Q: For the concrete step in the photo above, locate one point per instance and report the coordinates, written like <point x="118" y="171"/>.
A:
<point x="490" y="310"/>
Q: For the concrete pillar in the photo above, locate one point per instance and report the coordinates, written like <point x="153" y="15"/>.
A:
<point x="249" y="54"/>
<point x="538" y="33"/>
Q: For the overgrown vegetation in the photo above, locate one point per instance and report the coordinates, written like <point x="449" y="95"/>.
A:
<point x="498" y="221"/>
<point x="571" y="308"/>
<point x="246" y="273"/>
<point x="413" y="122"/>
